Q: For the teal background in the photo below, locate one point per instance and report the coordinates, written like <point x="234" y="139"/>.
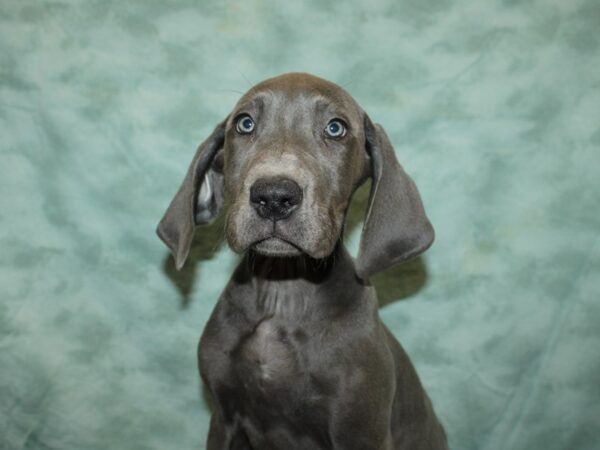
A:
<point x="493" y="107"/>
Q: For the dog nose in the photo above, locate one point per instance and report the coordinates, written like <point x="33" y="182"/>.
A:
<point x="275" y="199"/>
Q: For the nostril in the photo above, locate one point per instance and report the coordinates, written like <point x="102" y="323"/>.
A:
<point x="275" y="199"/>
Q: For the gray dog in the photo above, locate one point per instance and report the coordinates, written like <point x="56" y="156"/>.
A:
<point x="295" y="355"/>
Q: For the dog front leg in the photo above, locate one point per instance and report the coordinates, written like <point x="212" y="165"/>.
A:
<point x="222" y="436"/>
<point x="361" y="413"/>
<point x="358" y="440"/>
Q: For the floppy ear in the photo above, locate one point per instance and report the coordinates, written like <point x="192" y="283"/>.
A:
<point x="396" y="227"/>
<point x="198" y="200"/>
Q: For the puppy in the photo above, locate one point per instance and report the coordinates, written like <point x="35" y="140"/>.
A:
<point x="295" y="355"/>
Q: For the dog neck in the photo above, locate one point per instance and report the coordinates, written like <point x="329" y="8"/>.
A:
<point x="295" y="286"/>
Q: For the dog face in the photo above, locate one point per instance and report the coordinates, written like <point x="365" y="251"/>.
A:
<point x="288" y="158"/>
<point x="297" y="140"/>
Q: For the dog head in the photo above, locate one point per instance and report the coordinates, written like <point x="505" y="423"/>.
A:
<point x="288" y="158"/>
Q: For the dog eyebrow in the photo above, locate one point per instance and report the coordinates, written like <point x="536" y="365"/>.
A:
<point x="256" y="103"/>
<point x="325" y="105"/>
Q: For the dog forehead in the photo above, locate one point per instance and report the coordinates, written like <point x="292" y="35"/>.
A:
<point x="300" y="90"/>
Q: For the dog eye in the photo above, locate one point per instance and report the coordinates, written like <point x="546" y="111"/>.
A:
<point x="244" y="124"/>
<point x="335" y="128"/>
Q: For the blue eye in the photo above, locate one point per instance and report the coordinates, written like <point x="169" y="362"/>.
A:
<point x="244" y="124"/>
<point x="335" y="128"/>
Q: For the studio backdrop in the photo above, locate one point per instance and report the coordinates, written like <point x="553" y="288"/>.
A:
<point x="493" y="107"/>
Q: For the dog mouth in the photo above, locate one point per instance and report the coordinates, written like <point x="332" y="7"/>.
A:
<point x="276" y="246"/>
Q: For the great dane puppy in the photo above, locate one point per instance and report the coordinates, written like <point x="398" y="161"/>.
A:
<point x="295" y="355"/>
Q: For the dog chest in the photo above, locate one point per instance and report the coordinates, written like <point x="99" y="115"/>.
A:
<point x="268" y="353"/>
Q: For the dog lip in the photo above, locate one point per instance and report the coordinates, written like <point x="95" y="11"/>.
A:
<point x="277" y="237"/>
<point x="274" y="238"/>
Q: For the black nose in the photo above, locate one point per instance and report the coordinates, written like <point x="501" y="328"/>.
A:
<point x="275" y="199"/>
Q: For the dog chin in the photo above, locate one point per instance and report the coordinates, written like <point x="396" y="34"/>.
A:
<point x="274" y="246"/>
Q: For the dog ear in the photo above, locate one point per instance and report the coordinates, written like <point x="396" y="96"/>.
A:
<point x="198" y="200"/>
<point x="396" y="227"/>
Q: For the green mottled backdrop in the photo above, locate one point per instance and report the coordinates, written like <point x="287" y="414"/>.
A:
<point x="494" y="108"/>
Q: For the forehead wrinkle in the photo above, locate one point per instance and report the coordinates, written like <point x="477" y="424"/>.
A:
<point x="287" y="112"/>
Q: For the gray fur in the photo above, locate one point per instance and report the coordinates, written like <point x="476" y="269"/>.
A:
<point x="295" y="355"/>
